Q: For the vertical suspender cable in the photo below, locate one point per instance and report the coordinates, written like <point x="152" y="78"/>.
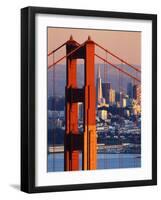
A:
<point x="120" y="113"/>
<point x="54" y="112"/>
<point x="105" y="81"/>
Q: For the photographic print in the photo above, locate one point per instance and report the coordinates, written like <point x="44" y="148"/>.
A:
<point x="94" y="99"/>
<point x="88" y="99"/>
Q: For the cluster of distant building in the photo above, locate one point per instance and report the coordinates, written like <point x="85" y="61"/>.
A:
<point x="108" y="97"/>
<point x="118" y="117"/>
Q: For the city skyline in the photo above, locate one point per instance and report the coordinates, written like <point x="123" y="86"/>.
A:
<point x="60" y="78"/>
<point x="94" y="101"/>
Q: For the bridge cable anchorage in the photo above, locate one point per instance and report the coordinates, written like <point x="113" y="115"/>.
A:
<point x="124" y="72"/>
<point x="69" y="54"/>
<point x="117" y="57"/>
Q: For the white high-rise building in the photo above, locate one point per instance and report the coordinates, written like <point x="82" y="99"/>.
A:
<point x="102" y="114"/>
<point x="111" y="97"/>
<point x="123" y="100"/>
<point x="100" y="99"/>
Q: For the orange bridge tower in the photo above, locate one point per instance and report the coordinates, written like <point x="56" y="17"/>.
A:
<point x="75" y="142"/>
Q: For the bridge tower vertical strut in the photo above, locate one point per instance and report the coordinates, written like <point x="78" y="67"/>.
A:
<point x="90" y="151"/>
<point x="71" y="155"/>
<point x="75" y="142"/>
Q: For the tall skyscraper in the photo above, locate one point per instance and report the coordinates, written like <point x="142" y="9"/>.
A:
<point x="137" y="93"/>
<point x="130" y="90"/>
<point x="117" y="96"/>
<point x="105" y="91"/>
<point x="100" y="98"/>
<point x="122" y="100"/>
<point x="111" y="97"/>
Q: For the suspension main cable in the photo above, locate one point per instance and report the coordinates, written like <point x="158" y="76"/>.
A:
<point x="112" y="54"/>
<point x="52" y="52"/>
<point x="118" y="68"/>
<point x="69" y="54"/>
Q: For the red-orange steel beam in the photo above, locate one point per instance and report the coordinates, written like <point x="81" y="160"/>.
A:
<point x="69" y="54"/>
<point x="118" y="68"/>
<point x="100" y="58"/>
<point x="112" y="54"/>
<point x="71" y="156"/>
<point x="90" y="140"/>
<point x="59" y="48"/>
<point x="56" y="49"/>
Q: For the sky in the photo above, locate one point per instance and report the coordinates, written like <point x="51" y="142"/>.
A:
<point x="126" y="45"/>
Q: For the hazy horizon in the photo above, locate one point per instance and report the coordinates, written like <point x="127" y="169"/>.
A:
<point x="125" y="44"/>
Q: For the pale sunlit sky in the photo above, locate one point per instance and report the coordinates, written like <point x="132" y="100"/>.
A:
<point x="126" y="45"/>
